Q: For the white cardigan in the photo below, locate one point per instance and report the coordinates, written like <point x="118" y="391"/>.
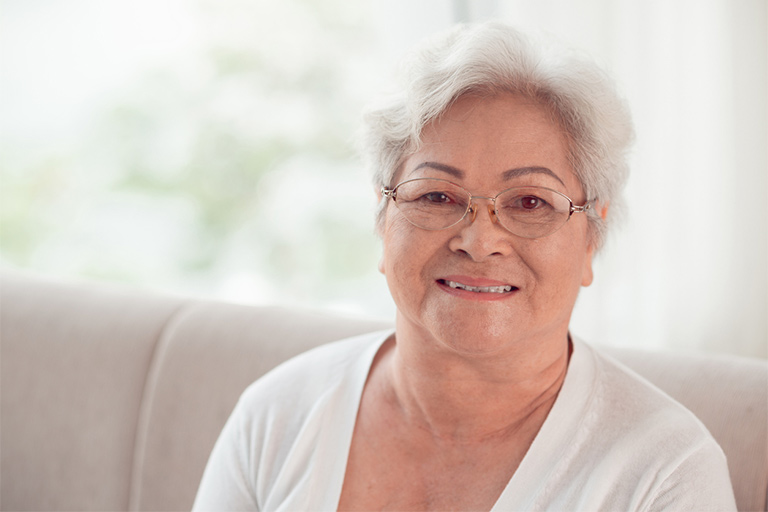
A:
<point x="612" y="441"/>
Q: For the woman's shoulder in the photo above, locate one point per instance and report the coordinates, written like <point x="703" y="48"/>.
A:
<point x="644" y="446"/>
<point x="632" y="411"/>
<point x="269" y="445"/>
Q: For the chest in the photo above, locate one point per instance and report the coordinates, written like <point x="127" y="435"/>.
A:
<point x="388" y="469"/>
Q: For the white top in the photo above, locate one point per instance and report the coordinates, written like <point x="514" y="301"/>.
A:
<point x="612" y="441"/>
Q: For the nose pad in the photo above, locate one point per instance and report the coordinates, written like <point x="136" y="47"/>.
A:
<point x="491" y="213"/>
<point x="472" y="212"/>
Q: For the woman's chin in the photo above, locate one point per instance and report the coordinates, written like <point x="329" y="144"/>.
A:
<point x="478" y="336"/>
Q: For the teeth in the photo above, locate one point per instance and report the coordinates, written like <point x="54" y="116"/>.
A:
<point x="480" y="289"/>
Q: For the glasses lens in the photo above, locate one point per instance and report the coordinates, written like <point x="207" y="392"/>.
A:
<point x="532" y="212"/>
<point x="431" y="203"/>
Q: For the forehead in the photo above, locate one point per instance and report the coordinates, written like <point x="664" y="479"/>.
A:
<point x="486" y="137"/>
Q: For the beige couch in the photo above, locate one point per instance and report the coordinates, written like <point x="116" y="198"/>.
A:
<point x="112" y="399"/>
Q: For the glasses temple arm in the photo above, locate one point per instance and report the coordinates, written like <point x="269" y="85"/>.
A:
<point x="583" y="208"/>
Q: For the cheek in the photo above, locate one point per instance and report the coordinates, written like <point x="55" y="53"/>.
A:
<point x="563" y="266"/>
<point x="580" y="268"/>
<point x="586" y="269"/>
<point x="408" y="254"/>
<point x="401" y="251"/>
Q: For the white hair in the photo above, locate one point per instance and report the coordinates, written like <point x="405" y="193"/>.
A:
<point x="491" y="58"/>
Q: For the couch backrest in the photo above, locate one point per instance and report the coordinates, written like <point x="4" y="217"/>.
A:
<point x="112" y="400"/>
<point x="73" y="364"/>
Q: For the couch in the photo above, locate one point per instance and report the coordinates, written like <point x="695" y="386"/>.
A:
<point x="111" y="398"/>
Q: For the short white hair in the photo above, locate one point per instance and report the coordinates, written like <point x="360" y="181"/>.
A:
<point x="491" y="58"/>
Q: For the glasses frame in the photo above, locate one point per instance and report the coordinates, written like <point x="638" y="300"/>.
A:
<point x="391" y="193"/>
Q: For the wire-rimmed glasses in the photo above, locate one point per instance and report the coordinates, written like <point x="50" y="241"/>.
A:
<point x="528" y="212"/>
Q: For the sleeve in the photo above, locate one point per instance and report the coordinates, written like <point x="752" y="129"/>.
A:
<point x="225" y="484"/>
<point x="700" y="483"/>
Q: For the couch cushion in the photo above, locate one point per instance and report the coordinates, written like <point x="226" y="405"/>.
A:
<point x="209" y="354"/>
<point x="74" y="362"/>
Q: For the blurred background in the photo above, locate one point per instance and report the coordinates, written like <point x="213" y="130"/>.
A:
<point x="206" y="148"/>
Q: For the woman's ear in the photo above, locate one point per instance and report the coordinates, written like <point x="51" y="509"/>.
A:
<point x="602" y="209"/>
<point x="382" y="266"/>
<point x="586" y="272"/>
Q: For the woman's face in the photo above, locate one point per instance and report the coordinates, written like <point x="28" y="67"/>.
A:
<point x="482" y="144"/>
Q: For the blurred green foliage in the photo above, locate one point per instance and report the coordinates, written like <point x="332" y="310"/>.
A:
<point x="166" y="184"/>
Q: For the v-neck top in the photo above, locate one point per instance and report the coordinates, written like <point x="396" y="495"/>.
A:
<point x="612" y="441"/>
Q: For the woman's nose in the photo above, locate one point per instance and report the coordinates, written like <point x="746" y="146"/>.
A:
<point x="480" y="235"/>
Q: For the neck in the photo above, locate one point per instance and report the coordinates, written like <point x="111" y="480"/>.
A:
<point x="464" y="398"/>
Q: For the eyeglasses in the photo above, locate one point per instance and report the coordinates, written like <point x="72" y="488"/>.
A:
<point x="528" y="212"/>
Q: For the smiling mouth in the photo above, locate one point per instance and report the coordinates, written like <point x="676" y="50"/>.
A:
<point x="478" y="289"/>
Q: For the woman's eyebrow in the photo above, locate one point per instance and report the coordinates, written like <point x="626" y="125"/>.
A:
<point x="522" y="171"/>
<point x="448" y="169"/>
<point x="506" y="175"/>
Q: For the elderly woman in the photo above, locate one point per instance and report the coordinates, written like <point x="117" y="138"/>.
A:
<point x="498" y="168"/>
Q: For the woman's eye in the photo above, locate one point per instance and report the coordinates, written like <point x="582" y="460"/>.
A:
<point x="437" y="197"/>
<point x="531" y="202"/>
